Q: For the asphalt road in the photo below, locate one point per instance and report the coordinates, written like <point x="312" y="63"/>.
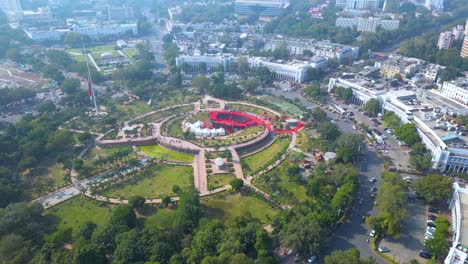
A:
<point x="354" y="232"/>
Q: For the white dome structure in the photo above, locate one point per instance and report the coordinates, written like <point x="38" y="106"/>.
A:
<point x="219" y="162"/>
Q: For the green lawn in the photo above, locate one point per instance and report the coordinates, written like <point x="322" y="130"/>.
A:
<point x="202" y="116"/>
<point x="303" y="141"/>
<point x="166" y="113"/>
<point x="287" y="190"/>
<point x="76" y="211"/>
<point x="226" y="206"/>
<point x="261" y="159"/>
<point x="162" y="218"/>
<point x="134" y="110"/>
<point x="250" y="109"/>
<point x="289" y="108"/>
<point x="219" y="180"/>
<point x="158" y="152"/>
<point x="173" y="127"/>
<point x="97" y="151"/>
<point x="159" y="183"/>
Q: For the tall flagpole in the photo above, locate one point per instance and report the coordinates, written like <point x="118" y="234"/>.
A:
<point x="90" y="86"/>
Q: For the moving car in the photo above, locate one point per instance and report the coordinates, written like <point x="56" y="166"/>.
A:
<point x="312" y="259"/>
<point x="383" y="249"/>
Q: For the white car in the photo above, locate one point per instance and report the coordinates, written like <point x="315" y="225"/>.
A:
<point x="354" y="127"/>
<point x="312" y="259"/>
<point x="383" y="249"/>
<point x="372" y="233"/>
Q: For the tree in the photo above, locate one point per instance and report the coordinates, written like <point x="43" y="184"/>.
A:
<point x="136" y="201"/>
<point x="391" y="119"/>
<point x="15" y="249"/>
<point x="201" y="82"/>
<point x="351" y="147"/>
<point x="188" y="213"/>
<point x="422" y="162"/>
<point x="303" y="235"/>
<point x="372" y="107"/>
<point x="75" y="39"/>
<point x="85" y="137"/>
<point x="449" y="73"/>
<point x="90" y="253"/>
<point x="71" y="86"/>
<point x="204" y="242"/>
<point x="123" y="214"/>
<point x="46" y="107"/>
<point x="328" y="131"/>
<point x="391" y="198"/>
<point x="313" y="90"/>
<point x="407" y="133"/>
<point x="437" y="245"/>
<point x="281" y="52"/>
<point x="13" y="54"/>
<point x="434" y="187"/>
<point x="249" y="84"/>
<point x="236" y="183"/>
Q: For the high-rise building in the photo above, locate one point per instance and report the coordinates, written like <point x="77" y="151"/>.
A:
<point x="341" y="3"/>
<point x="458" y="32"/>
<point x="358" y="4"/>
<point x="435" y="5"/>
<point x="464" y="50"/>
<point x="445" y="40"/>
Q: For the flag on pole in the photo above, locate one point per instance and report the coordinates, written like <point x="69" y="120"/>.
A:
<point x="90" y="89"/>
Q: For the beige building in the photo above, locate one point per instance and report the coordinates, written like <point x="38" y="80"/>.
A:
<point x="464" y="50"/>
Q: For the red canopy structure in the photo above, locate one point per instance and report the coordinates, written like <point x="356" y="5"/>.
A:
<point x="235" y="119"/>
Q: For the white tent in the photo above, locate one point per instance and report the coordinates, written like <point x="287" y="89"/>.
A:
<point x="206" y="132"/>
<point x="220" y="131"/>
<point x="198" y="132"/>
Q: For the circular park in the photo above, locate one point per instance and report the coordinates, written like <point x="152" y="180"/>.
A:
<point x="212" y="145"/>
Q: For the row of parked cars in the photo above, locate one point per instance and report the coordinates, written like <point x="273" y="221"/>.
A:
<point x="430" y="229"/>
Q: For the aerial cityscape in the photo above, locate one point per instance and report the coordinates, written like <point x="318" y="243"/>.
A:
<point x="233" y="131"/>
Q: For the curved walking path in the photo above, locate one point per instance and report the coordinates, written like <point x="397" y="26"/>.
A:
<point x="199" y="163"/>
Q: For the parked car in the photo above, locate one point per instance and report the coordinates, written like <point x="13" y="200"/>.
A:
<point x="383" y="249"/>
<point x="373" y="179"/>
<point x="373" y="189"/>
<point x="372" y="233"/>
<point x="433" y="210"/>
<point x="425" y="254"/>
<point x="431" y="224"/>
<point x="431" y="217"/>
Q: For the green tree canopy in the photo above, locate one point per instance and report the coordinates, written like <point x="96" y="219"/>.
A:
<point x="434" y="187"/>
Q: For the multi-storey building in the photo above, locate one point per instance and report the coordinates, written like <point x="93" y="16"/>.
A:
<point x="209" y="63"/>
<point x="456" y="90"/>
<point x="445" y="40"/>
<point x="119" y="13"/>
<point x="430" y="112"/>
<point x="92" y="29"/>
<point x="297" y="46"/>
<point x="261" y="8"/>
<point x="367" y="24"/>
<point x="362" y="4"/>
<point x="296" y="72"/>
<point x="459" y="205"/>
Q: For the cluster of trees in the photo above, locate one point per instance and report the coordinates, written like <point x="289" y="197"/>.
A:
<point x="302" y="229"/>
<point x="438" y="245"/>
<point x="219" y="88"/>
<point x="301" y="24"/>
<point x="351" y="256"/>
<point x="26" y="144"/>
<point x="190" y="239"/>
<point x="342" y="93"/>
<point x="349" y="147"/>
<point x="391" y="198"/>
<point x="420" y="157"/>
<point x="12" y="95"/>
<point x="425" y="48"/>
<point x="434" y="188"/>
<point x="372" y="107"/>
<point x="212" y="12"/>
